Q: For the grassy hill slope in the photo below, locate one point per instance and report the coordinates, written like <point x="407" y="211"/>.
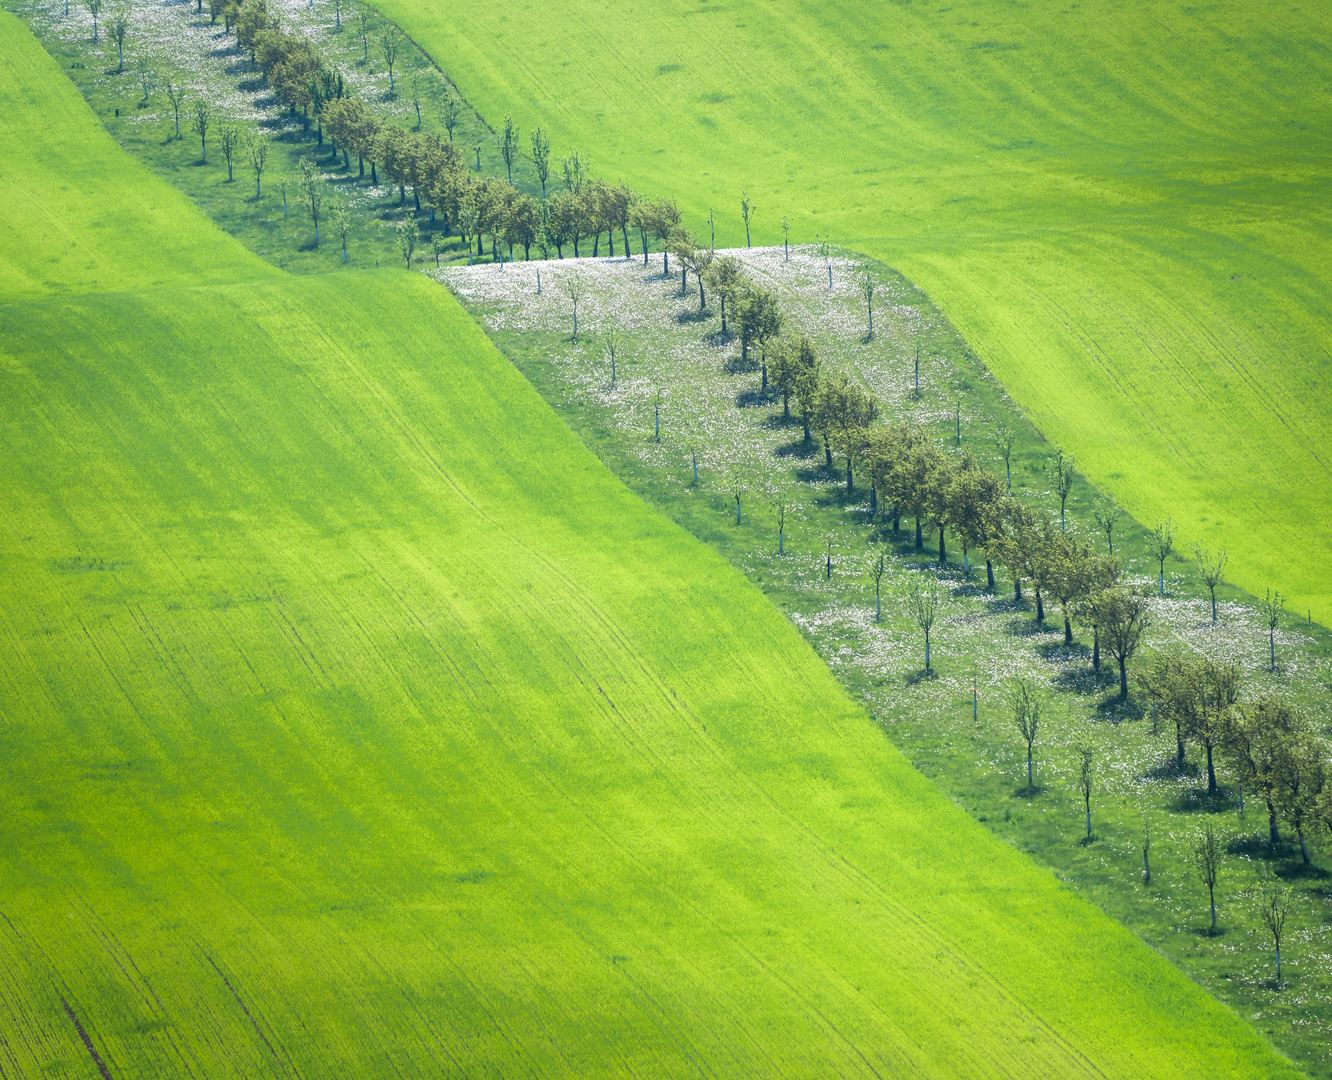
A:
<point x="1123" y="207"/>
<point x="357" y="722"/>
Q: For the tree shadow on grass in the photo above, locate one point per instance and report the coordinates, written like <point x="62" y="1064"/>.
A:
<point x="1258" y="845"/>
<point x="753" y="398"/>
<point x="798" y="449"/>
<point x="1199" y="801"/>
<point x="1028" y="628"/>
<point x="1208" y="931"/>
<point x="1171" y="769"/>
<point x="692" y="315"/>
<point x="1115" y="711"/>
<point x="736" y="366"/>
<point x="923" y="675"/>
<point x="1084" y="680"/>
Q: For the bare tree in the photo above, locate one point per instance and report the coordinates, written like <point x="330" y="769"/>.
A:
<point x="611" y="343"/>
<point x="390" y="41"/>
<point x="1272" y="605"/>
<point x="175" y="93"/>
<point x="780" y="505"/>
<point x="311" y="187"/>
<point x="203" y="118"/>
<point x="363" y="31"/>
<point x="1027" y="709"/>
<point x="257" y="145"/>
<point x="1206" y="853"/>
<point x="1273" y="907"/>
<point x="1060" y="470"/>
<point x="575" y="288"/>
<point x="1211" y="566"/>
<point x="1161" y="541"/>
<point x="229" y="139"/>
<point x="1146" y="851"/>
<point x="1002" y="437"/>
<point x="746" y="211"/>
<point x="786" y="236"/>
<point x="866" y="283"/>
<point x="145" y="70"/>
<point x="450" y="112"/>
<point x="1107" y="516"/>
<point x="539" y="155"/>
<point x="406" y="232"/>
<point x="1086" y="754"/>
<point x="878" y="568"/>
<point x="416" y="91"/>
<point x="923" y="599"/>
<point x="94" y="9"/>
<point x="508" y="141"/>
<point x="438" y="242"/>
<point x="341" y="220"/>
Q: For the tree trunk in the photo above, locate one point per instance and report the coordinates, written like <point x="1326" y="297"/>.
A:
<point x="665" y="263"/>
<point x="1304" y="850"/>
<point x="1017" y="589"/>
<point x="943" y="552"/>
<point x="1096" y="649"/>
<point x="1040" y="606"/>
<point x="1068" y="632"/>
<point x="874" y="499"/>
<point x="1123" y="680"/>
<point x="702" y="303"/>
<point x="1146" y="870"/>
<point x="1273" y="836"/>
<point x="764" y="387"/>
<point x="1089" y="824"/>
<point x="848" y="476"/>
<point x="1278" y="952"/>
<point x="1179" y="745"/>
<point x="596" y="244"/>
<point x="723" y="318"/>
<point x="989" y="575"/>
<point x="927" y="650"/>
<point x="1211" y="896"/>
<point x="920" y="540"/>
<point x="1211" y="772"/>
<point x="827" y="452"/>
<point x="1029" y="784"/>
<point x="786" y="404"/>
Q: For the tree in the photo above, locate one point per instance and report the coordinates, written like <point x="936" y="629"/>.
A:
<point x="257" y="145"/>
<point x="363" y="31"/>
<point x="1301" y="776"/>
<point x="341" y="220"/>
<point x="1253" y="741"/>
<point x="575" y="288"/>
<point x="786" y="236"/>
<point x="1002" y="437"/>
<point x="1206" y="855"/>
<point x="808" y="382"/>
<point x="1211" y="566"/>
<point x="450" y="112"/>
<point x="416" y="91"/>
<point x="846" y="411"/>
<point x="1146" y="851"/>
<point x="1272" y="605"/>
<point x="866" y="283"/>
<point x="1076" y="571"/>
<point x="438" y="242"/>
<point x="759" y="317"/>
<point x="145" y="70"/>
<point x="175" y="93"/>
<point x="539" y="155"/>
<point x="1166" y="685"/>
<point x="203" y="117"/>
<point x="311" y="187"/>
<point x="574" y="170"/>
<point x="522" y="223"/>
<point x="1161" y="542"/>
<point x="682" y="244"/>
<point x="612" y="341"/>
<point x="563" y="221"/>
<point x="923" y="599"/>
<point x="1107" y="514"/>
<point x="1273" y="907"/>
<point x="1027" y="709"/>
<point x="780" y="505"/>
<point x="726" y="278"/>
<point x="390" y="41"/>
<point x="1060" y="470"/>
<point x="657" y="218"/>
<point x="116" y="28"/>
<point x="1124" y="618"/>
<point x="337" y="15"/>
<point x="508" y="142"/>
<point x="746" y="211"/>
<point x="1086" y="754"/>
<point x="228" y="138"/>
<point x="406" y="233"/>
<point x="877" y="569"/>
<point x="94" y="9"/>
<point x="1213" y="688"/>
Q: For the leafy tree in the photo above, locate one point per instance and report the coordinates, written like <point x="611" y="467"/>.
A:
<point x="1011" y="524"/>
<point x="438" y="243"/>
<point x="658" y="219"/>
<point x="175" y="93"/>
<point x="406" y="233"/>
<point x="1168" y="687"/>
<point x="1272" y="605"/>
<point x="808" y="381"/>
<point x="923" y="599"/>
<point x="1027" y="709"/>
<point x="228" y="138"/>
<point x="1254" y="740"/>
<point x="1206" y="855"/>
<point x="575" y="288"/>
<point x="1301" y="775"/>
<point x="1104" y="574"/>
<point x="726" y="278"/>
<point x="257" y="145"/>
<point x="1107" y="515"/>
<point x="311" y="187"/>
<point x="522" y="223"/>
<point x="450" y="113"/>
<point x="746" y="211"/>
<point x="1161" y="541"/>
<point x="759" y="317"/>
<point x="563" y="221"/>
<point x="539" y="155"/>
<point x="1076" y="572"/>
<point x="846" y="411"/>
<point x="1211" y="567"/>
<point x="1215" y="689"/>
<point x="508" y="142"/>
<point x="683" y="245"/>
<point x="203" y="117"/>
<point x="1061" y="479"/>
<point x="1125" y="617"/>
<point x="866" y="283"/>
<point x="574" y="170"/>
<point x="94" y="9"/>
<point x="969" y="493"/>
<point x="1086" y="755"/>
<point x="1273" y="907"/>
<point x="390" y="41"/>
<point x="117" y="28"/>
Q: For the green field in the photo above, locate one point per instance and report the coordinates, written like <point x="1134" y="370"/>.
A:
<point x="1123" y="207"/>
<point x="356" y="721"/>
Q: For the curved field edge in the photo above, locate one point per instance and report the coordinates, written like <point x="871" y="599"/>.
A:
<point x="361" y="720"/>
<point x="1136" y="244"/>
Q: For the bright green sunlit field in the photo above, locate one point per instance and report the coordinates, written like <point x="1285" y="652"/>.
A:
<point x="355" y="721"/>
<point x="1122" y="206"/>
